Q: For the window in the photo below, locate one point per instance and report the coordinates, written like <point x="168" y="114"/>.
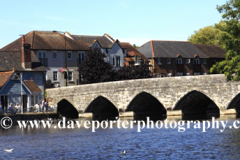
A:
<point x="162" y="75"/>
<point x="169" y="74"/>
<point x="34" y="100"/>
<point x="196" y="73"/>
<point x="55" y="76"/>
<point x="70" y="75"/>
<point x="179" y="60"/>
<point x="179" y="74"/>
<point x="41" y="55"/>
<point x="168" y="61"/>
<point x="69" y="55"/>
<point x="81" y="58"/>
<point x="204" y="61"/>
<point x="188" y="74"/>
<point x="196" y="61"/>
<point x="188" y="61"/>
<point x="54" y="55"/>
<point x="204" y="73"/>
<point x="159" y="61"/>
<point x="116" y="61"/>
<point x="137" y="59"/>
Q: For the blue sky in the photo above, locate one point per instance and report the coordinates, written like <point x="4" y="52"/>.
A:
<point x="134" y="21"/>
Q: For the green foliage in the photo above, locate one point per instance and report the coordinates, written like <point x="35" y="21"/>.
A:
<point x="208" y="35"/>
<point x="230" y="38"/>
<point x="134" y="45"/>
<point x="94" y="68"/>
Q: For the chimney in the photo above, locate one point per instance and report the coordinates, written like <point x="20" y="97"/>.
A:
<point x="26" y="54"/>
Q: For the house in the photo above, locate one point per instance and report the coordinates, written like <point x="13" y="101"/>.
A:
<point x="65" y="52"/>
<point x="213" y="52"/>
<point x="114" y="51"/>
<point x="22" y="77"/>
<point x="133" y="57"/>
<point x="178" y="58"/>
<point x="56" y="51"/>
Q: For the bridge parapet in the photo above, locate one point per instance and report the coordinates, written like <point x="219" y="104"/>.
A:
<point x="168" y="91"/>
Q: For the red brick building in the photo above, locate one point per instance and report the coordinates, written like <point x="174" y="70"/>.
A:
<point x="180" y="58"/>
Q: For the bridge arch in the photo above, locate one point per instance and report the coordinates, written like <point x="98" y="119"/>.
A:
<point x="234" y="103"/>
<point x="102" y="107"/>
<point x="145" y="104"/>
<point x="66" y="109"/>
<point x="196" y="102"/>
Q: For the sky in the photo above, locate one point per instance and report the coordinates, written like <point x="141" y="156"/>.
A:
<point x="133" y="21"/>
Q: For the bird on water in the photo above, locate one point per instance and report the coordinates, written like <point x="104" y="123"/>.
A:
<point x="8" y="150"/>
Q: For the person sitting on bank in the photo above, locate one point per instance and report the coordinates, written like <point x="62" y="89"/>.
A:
<point x="18" y="107"/>
<point x="43" y="105"/>
<point x="10" y="106"/>
<point x="37" y="106"/>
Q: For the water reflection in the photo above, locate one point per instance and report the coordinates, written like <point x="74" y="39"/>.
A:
<point x="108" y="143"/>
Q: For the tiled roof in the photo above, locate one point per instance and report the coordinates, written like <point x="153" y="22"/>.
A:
<point x="105" y="41"/>
<point x="32" y="86"/>
<point x="12" y="60"/>
<point x="169" y="49"/>
<point x="4" y="77"/>
<point x="131" y="51"/>
<point x="47" y="40"/>
<point x="212" y="51"/>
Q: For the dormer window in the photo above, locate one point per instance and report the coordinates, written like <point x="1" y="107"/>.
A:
<point x="16" y="76"/>
<point x="179" y="60"/>
<point x="196" y="61"/>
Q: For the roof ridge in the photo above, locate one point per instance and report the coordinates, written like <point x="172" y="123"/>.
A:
<point x="86" y="35"/>
<point x="169" y="41"/>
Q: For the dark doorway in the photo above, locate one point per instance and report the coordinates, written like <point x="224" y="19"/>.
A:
<point x="4" y="100"/>
<point x="24" y="102"/>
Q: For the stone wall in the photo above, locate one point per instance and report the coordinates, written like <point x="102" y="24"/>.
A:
<point x="168" y="91"/>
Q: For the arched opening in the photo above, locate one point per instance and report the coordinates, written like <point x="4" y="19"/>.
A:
<point x="144" y="104"/>
<point x="66" y="109"/>
<point x="234" y="104"/>
<point x="196" y="102"/>
<point x="102" y="107"/>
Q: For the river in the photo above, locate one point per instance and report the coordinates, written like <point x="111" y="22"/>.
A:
<point x="108" y="143"/>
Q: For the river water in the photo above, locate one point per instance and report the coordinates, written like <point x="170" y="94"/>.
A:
<point x="108" y="143"/>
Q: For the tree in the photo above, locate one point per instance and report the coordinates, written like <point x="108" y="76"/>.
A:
<point x="95" y="68"/>
<point x="135" y="72"/>
<point x="208" y="35"/>
<point x="230" y="38"/>
<point x="135" y="46"/>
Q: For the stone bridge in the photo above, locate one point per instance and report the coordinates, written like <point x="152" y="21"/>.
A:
<point x="153" y="96"/>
